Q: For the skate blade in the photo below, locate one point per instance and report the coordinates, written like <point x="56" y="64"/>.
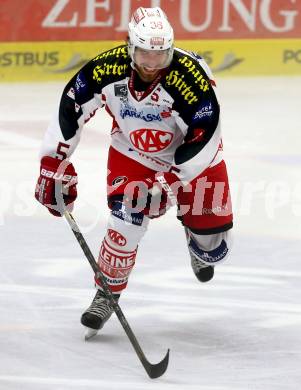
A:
<point x="90" y="333"/>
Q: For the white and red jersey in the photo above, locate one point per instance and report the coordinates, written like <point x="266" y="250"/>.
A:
<point x="171" y="124"/>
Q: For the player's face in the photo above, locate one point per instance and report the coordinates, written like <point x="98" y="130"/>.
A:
<point x="149" y="62"/>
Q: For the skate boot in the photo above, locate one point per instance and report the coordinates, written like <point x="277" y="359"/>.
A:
<point x="97" y="314"/>
<point x="202" y="271"/>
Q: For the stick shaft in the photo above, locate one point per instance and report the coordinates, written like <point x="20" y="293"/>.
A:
<point x="153" y="370"/>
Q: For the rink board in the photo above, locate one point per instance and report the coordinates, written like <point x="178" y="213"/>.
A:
<point x="46" y="61"/>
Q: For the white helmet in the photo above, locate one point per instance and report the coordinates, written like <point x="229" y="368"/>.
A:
<point x="149" y="29"/>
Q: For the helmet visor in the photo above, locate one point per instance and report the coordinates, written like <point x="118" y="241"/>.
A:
<point x="152" y="59"/>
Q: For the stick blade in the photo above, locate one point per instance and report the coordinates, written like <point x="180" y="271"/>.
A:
<point x="157" y="370"/>
<point x="90" y="333"/>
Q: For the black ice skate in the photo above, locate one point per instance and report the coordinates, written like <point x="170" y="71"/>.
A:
<point x="202" y="271"/>
<point x="97" y="314"/>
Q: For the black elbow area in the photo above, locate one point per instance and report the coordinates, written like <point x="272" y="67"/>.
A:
<point x="69" y="113"/>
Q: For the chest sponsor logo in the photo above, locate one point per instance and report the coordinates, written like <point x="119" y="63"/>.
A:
<point x="151" y="140"/>
<point x="116" y="237"/>
<point x="147" y="114"/>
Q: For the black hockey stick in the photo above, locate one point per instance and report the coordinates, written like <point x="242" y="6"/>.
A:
<point x="153" y="370"/>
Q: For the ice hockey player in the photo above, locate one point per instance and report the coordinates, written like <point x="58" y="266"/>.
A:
<point x="166" y="148"/>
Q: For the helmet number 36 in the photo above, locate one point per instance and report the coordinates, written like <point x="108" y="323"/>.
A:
<point x="156" y="25"/>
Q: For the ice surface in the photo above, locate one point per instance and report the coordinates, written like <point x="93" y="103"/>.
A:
<point x="240" y="331"/>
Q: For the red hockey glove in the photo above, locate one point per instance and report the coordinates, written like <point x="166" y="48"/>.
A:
<point x="56" y="176"/>
<point x="154" y="195"/>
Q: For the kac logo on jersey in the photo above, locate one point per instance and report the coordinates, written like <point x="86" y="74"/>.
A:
<point x="151" y="140"/>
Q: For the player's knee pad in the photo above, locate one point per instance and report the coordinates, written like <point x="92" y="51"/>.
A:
<point x="119" y="247"/>
<point x="210" y="249"/>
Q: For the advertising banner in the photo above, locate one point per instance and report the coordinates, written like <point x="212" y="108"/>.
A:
<point x="93" y="20"/>
<point x="51" y="39"/>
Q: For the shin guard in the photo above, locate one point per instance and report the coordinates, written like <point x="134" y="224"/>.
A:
<point x="119" y="248"/>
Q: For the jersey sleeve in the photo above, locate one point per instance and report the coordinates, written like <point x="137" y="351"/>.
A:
<point x="79" y="101"/>
<point x="201" y="143"/>
<point x="202" y="119"/>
